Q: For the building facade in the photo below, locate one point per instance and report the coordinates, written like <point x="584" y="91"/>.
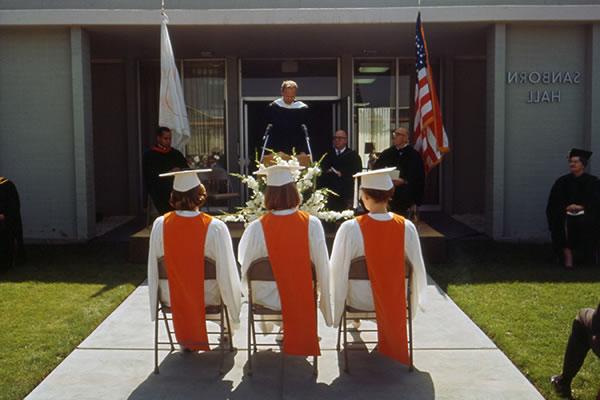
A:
<point x="519" y="84"/>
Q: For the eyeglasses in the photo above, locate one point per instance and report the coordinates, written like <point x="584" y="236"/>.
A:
<point x="339" y="137"/>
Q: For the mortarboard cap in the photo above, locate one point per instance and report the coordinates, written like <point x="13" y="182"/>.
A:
<point x="582" y="154"/>
<point x="378" y="179"/>
<point x="185" y="180"/>
<point x="279" y="175"/>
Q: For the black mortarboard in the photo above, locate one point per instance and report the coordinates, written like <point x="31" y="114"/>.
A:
<point x="582" y="154"/>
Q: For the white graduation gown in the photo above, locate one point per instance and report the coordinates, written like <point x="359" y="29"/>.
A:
<point x="217" y="247"/>
<point x="348" y="244"/>
<point x="253" y="246"/>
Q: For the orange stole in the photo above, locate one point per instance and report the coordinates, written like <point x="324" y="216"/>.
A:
<point x="286" y="237"/>
<point x="184" y="239"/>
<point x="384" y="252"/>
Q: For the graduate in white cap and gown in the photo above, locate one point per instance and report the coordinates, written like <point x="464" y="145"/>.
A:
<point x="385" y="240"/>
<point x="184" y="237"/>
<point x="292" y="240"/>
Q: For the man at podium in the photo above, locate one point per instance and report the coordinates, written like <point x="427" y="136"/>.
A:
<point x="286" y="122"/>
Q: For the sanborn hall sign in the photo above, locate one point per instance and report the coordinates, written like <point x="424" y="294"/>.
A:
<point x="550" y="93"/>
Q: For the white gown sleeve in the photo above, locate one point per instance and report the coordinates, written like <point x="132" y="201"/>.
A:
<point x="155" y="251"/>
<point x="412" y="248"/>
<point x="320" y="258"/>
<point x="227" y="273"/>
<point x="252" y="247"/>
<point x="344" y="250"/>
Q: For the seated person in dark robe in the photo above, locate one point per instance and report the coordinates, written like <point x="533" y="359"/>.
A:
<point x="411" y="182"/>
<point x="160" y="159"/>
<point x="11" y="228"/>
<point x="572" y="209"/>
<point x="286" y="116"/>
<point x="585" y="335"/>
<point x="338" y="166"/>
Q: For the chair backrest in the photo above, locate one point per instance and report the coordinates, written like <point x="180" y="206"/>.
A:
<point x="210" y="269"/>
<point x="359" y="271"/>
<point x="217" y="181"/>
<point x="260" y="270"/>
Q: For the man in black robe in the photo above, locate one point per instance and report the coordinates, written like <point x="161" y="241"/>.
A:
<point x="159" y="159"/>
<point x="11" y="228"/>
<point x="585" y="335"/>
<point x="411" y="182"/>
<point x="338" y="166"/>
<point x="286" y="117"/>
<point x="573" y="209"/>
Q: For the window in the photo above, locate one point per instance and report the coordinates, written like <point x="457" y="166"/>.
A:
<point x="204" y="88"/>
<point x="374" y="84"/>
<point x="204" y="92"/>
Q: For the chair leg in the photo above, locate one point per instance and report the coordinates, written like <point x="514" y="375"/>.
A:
<point x="345" y="328"/>
<point x="282" y="377"/>
<point x="254" y="335"/>
<point x="315" y="366"/>
<point x="222" y="339"/>
<point x="339" y="337"/>
<point x="249" y="338"/>
<point x="168" y="331"/>
<point x="156" y="344"/>
<point x="229" y="333"/>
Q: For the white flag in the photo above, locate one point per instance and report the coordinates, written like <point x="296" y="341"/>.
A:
<point x="171" y="109"/>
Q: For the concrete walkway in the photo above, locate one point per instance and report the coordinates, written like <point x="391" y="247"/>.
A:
<point x="454" y="359"/>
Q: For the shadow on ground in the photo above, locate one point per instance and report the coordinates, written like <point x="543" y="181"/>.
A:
<point x="196" y="375"/>
<point x="486" y="261"/>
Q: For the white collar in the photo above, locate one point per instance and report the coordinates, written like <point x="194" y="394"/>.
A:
<point x="381" y="217"/>
<point x="187" y="213"/>
<point x="294" y="106"/>
<point x="340" y="151"/>
<point x="289" y="211"/>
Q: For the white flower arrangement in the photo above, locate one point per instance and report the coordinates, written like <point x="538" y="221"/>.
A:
<point x="313" y="200"/>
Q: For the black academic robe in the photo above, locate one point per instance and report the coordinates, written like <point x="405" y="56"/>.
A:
<point x="11" y="228"/>
<point x="155" y="163"/>
<point x="286" y="132"/>
<point x="410" y="164"/>
<point x="576" y="231"/>
<point x="348" y="163"/>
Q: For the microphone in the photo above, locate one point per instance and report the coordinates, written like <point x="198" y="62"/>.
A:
<point x="267" y="131"/>
<point x="305" y="130"/>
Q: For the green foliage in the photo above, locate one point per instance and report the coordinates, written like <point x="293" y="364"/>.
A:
<point x="49" y="305"/>
<point x="525" y="302"/>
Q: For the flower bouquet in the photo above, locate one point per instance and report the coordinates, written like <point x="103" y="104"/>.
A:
<point x="312" y="200"/>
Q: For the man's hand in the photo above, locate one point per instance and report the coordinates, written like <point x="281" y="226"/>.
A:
<point x="2" y="217"/>
<point x="335" y="171"/>
<point x="399" y="181"/>
<point x="574" y="208"/>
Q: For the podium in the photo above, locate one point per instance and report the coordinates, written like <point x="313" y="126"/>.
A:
<point x="303" y="159"/>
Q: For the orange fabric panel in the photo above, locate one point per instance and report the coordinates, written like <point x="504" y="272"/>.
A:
<point x="184" y="239"/>
<point x="384" y="253"/>
<point x="286" y="237"/>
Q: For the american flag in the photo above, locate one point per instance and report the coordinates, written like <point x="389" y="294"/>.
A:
<point x="430" y="136"/>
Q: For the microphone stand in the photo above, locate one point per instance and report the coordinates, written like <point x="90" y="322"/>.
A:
<point x="265" y="141"/>
<point x="307" y="138"/>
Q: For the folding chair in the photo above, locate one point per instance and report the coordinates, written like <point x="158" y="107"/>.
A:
<point x="358" y="271"/>
<point x="260" y="270"/>
<point x="163" y="313"/>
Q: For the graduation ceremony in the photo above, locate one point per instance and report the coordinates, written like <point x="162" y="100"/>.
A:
<point x="308" y="199"/>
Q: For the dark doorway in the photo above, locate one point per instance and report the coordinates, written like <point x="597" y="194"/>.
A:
<point x="322" y="121"/>
<point x="110" y="139"/>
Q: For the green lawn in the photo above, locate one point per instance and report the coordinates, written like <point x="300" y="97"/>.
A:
<point x="525" y="303"/>
<point x="49" y="305"/>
